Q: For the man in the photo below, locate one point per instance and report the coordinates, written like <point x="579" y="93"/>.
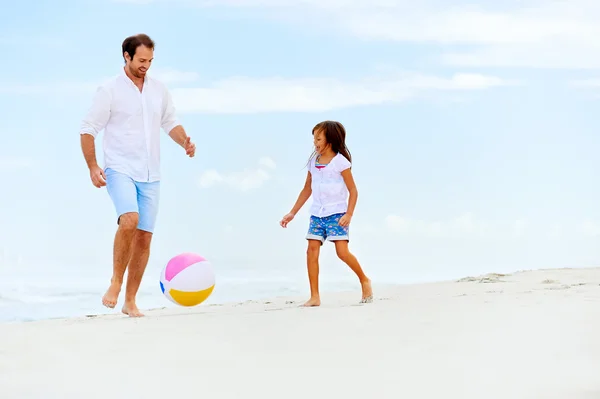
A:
<point x="131" y="108"/>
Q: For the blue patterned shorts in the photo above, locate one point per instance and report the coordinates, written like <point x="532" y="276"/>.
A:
<point x="327" y="228"/>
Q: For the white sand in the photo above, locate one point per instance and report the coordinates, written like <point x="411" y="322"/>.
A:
<point x="528" y="335"/>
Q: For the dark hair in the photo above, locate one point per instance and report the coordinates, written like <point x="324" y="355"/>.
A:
<point x="131" y="44"/>
<point x="335" y="134"/>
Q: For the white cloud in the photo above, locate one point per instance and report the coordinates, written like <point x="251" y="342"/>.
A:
<point x="461" y="226"/>
<point x="9" y="259"/>
<point x="45" y="89"/>
<point x="248" y="179"/>
<point x="10" y="163"/>
<point x="276" y="94"/>
<point x="169" y="76"/>
<point x="172" y="76"/>
<point x="267" y="163"/>
<point x="467" y="225"/>
<point x="278" y="4"/>
<point x="551" y="55"/>
<point x="512" y="33"/>
<point x="520" y="228"/>
<point x="590" y="228"/>
<point x="592" y="83"/>
<point x="244" y="95"/>
<point x="555" y="231"/>
<point x="45" y="41"/>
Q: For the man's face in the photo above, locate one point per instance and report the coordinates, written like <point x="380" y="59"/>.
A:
<point x="141" y="61"/>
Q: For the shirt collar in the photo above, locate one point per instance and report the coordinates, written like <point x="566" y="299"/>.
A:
<point x="129" y="79"/>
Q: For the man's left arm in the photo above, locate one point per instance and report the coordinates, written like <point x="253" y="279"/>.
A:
<point x="170" y="124"/>
<point x="178" y="135"/>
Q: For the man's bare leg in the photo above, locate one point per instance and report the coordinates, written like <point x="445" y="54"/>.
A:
<point x="137" y="265"/>
<point x="121" y="254"/>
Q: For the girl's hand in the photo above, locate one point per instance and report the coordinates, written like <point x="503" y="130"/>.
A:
<point x="345" y="220"/>
<point x="286" y="219"/>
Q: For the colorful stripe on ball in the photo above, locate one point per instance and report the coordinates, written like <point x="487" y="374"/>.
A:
<point x="187" y="298"/>
<point x="179" y="263"/>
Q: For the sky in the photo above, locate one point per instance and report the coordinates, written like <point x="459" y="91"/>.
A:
<point x="471" y="126"/>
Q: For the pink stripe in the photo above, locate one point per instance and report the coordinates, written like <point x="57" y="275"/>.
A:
<point x="180" y="262"/>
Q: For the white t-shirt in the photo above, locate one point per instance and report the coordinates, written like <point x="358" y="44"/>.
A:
<point x="329" y="191"/>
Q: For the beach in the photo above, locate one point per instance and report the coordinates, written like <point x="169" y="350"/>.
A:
<point x="530" y="334"/>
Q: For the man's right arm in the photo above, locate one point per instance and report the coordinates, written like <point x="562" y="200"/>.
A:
<point x="88" y="147"/>
<point x="93" y="123"/>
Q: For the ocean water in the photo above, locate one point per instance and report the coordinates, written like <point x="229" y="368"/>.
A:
<point x="34" y="290"/>
<point x="29" y="295"/>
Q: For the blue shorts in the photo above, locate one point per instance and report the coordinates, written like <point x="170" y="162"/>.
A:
<point x="327" y="228"/>
<point x="129" y="195"/>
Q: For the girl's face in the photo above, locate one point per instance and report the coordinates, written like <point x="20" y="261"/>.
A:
<point x="321" y="144"/>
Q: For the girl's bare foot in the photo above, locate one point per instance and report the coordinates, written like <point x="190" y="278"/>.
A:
<point x="131" y="310"/>
<point x="112" y="295"/>
<point x="313" y="301"/>
<point x="367" y="292"/>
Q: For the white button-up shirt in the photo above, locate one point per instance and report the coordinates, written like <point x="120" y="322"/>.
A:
<point x="329" y="191"/>
<point x="131" y="121"/>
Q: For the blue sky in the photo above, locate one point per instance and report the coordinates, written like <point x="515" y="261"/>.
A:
<point x="472" y="129"/>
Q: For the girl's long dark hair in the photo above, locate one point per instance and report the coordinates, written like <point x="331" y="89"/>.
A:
<point x="335" y="134"/>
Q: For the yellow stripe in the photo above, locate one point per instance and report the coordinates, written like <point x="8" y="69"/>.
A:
<point x="186" y="298"/>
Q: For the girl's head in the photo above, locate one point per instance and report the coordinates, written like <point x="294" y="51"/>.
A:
<point x="330" y="135"/>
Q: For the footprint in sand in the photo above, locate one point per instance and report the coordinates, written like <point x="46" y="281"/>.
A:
<point x="559" y="287"/>
<point x="549" y="281"/>
<point x="488" y="278"/>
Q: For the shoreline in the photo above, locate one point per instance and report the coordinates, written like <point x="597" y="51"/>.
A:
<point x="523" y="335"/>
<point x="292" y="299"/>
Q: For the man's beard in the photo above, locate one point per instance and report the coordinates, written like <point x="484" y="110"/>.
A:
<point x="136" y="72"/>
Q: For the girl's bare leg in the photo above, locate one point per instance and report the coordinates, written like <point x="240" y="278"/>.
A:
<point x="343" y="252"/>
<point x="312" y="263"/>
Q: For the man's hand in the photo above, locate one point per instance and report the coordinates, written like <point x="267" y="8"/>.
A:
<point x="345" y="220"/>
<point x="286" y="219"/>
<point x="97" y="176"/>
<point x="190" y="148"/>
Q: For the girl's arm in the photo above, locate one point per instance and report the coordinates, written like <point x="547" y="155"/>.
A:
<point x="304" y="195"/>
<point x="352" y="190"/>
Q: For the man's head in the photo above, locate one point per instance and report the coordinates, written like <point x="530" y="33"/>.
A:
<point x="138" y="53"/>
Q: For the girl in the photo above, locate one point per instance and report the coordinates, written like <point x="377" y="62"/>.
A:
<point x="330" y="182"/>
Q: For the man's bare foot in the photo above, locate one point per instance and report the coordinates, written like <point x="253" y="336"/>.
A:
<point x="367" y="292"/>
<point x="112" y="295"/>
<point x="131" y="310"/>
<point x="316" y="301"/>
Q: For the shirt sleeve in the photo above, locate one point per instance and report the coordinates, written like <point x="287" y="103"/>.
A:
<point x="98" y="114"/>
<point x="342" y="164"/>
<point x="169" y="117"/>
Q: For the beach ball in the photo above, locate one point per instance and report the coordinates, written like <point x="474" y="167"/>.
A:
<point x="187" y="279"/>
